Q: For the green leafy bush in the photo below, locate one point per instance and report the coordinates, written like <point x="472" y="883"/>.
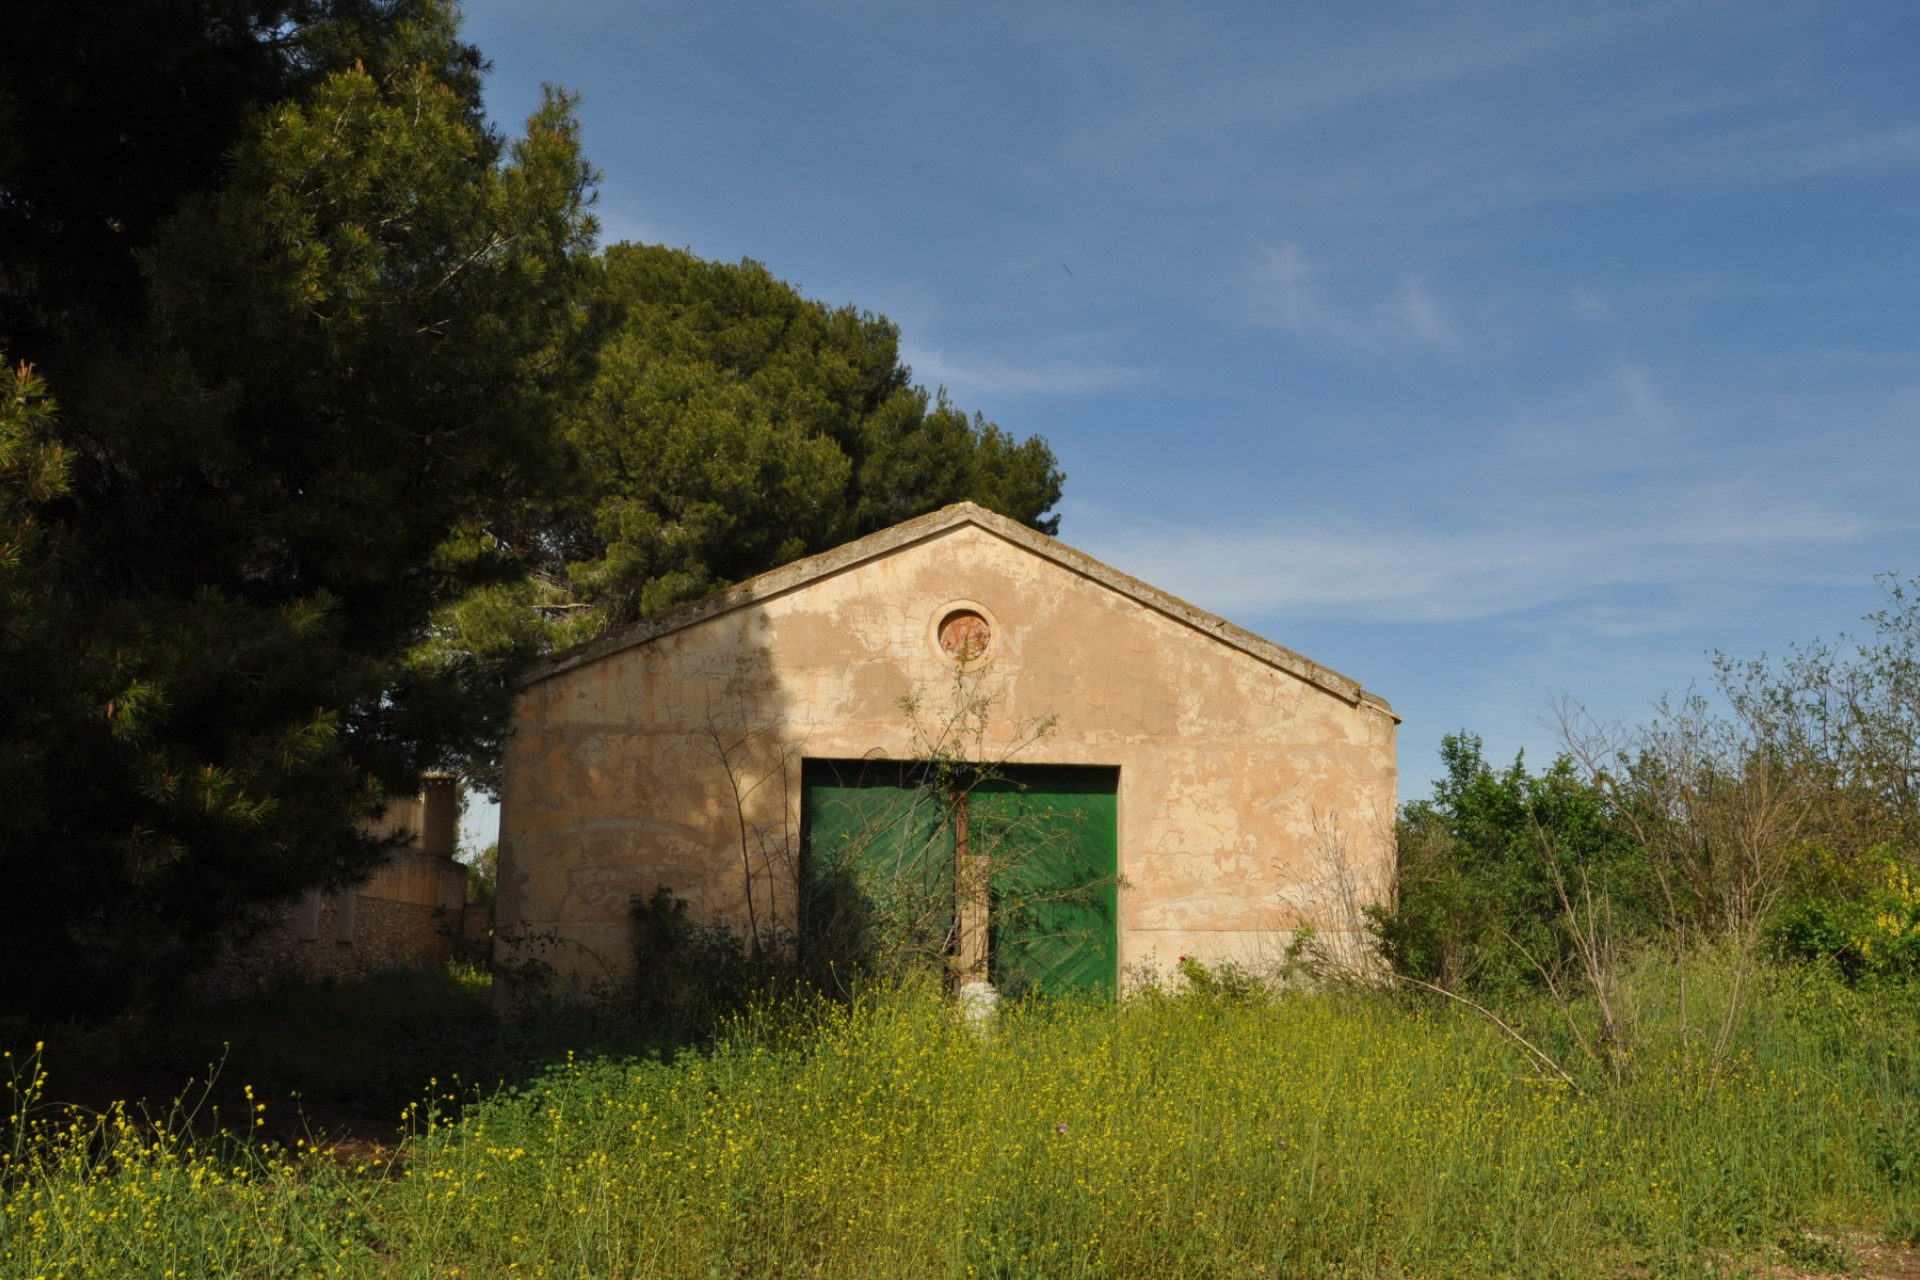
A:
<point x="1870" y="933"/>
<point x="1488" y="867"/>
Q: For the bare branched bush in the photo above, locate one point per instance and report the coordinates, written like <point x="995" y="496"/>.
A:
<point x="1719" y="804"/>
<point x="753" y="760"/>
<point x="1326" y="920"/>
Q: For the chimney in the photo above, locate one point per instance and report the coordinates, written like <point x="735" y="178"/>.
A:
<point x="439" y="815"/>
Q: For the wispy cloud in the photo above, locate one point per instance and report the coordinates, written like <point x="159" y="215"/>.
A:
<point x="971" y="376"/>
<point x="1326" y="569"/>
<point x="1584" y="304"/>
<point x="1196" y="87"/>
<point x="1880" y="147"/>
<point x="1609" y="487"/>
<point x="1619" y="423"/>
<point x="1416" y="313"/>
<point x="1291" y="293"/>
<point x="1471" y="109"/>
<point x="617" y="225"/>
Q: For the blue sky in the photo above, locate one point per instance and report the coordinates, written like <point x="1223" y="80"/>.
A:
<point x="1485" y="352"/>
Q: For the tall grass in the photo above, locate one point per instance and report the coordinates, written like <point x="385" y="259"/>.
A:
<point x="1170" y="1136"/>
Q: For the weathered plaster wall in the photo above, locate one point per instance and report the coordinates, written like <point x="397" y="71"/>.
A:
<point x="1249" y="795"/>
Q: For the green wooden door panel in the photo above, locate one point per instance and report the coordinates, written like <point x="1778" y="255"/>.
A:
<point x="1052" y="834"/>
<point x="878" y="854"/>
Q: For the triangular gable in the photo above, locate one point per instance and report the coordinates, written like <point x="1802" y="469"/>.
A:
<point x="802" y="573"/>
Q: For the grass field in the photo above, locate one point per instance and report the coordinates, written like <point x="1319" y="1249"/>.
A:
<point x="1171" y="1136"/>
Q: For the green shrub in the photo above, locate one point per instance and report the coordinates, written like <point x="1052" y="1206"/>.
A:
<point x="1480" y="868"/>
<point x="688" y="977"/>
<point x="1868" y="928"/>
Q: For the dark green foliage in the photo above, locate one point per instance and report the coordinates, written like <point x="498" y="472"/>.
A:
<point x="33" y="475"/>
<point x="483" y="877"/>
<point x="1863" y="918"/>
<point x="689" y="978"/>
<point x="733" y="426"/>
<point x="113" y="112"/>
<point x="360" y="327"/>
<point x="1818" y="929"/>
<point x="1489" y="867"/>
<point x="319" y="335"/>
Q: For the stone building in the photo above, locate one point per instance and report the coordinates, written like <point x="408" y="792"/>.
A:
<point x="409" y="913"/>
<point x="1126" y="779"/>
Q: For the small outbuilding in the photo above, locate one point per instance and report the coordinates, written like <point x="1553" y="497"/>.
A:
<point x="409" y="911"/>
<point x="956" y="734"/>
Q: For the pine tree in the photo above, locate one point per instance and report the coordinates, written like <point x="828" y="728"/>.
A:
<point x="333" y="350"/>
<point x="733" y="425"/>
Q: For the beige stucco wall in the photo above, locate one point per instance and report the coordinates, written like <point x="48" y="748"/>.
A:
<point x="1252" y="799"/>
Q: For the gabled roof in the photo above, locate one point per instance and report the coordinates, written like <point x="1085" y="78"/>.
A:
<point x="792" y="577"/>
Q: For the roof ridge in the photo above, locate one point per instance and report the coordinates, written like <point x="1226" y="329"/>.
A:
<point x="800" y="573"/>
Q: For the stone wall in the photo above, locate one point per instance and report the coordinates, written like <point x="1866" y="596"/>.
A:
<point x="341" y="936"/>
<point x="411" y="912"/>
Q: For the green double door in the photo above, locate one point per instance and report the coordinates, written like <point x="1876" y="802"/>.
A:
<point x="880" y="840"/>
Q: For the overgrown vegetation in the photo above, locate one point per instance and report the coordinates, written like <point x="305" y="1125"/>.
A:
<point x="1186" y="1133"/>
<point x="1482" y="867"/>
<point x="1771" y="822"/>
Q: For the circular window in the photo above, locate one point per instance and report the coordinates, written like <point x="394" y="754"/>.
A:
<point x="964" y="635"/>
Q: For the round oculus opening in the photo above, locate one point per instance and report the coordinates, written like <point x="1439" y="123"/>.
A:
<point x="964" y="635"/>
